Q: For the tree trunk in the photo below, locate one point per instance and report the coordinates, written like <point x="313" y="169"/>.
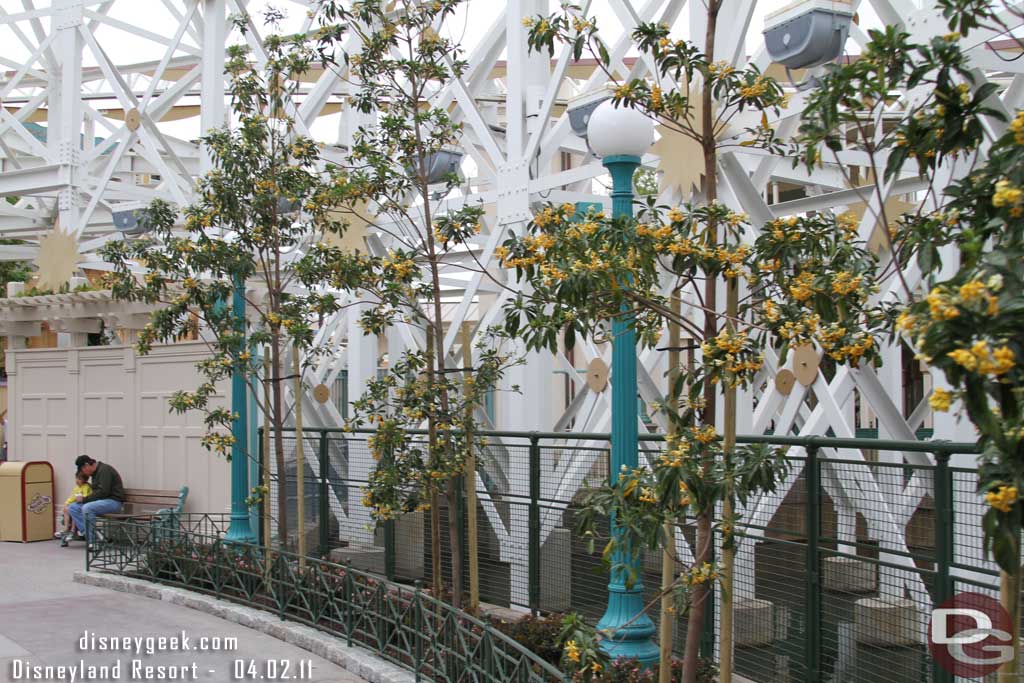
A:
<point x="699" y="597"/>
<point x="277" y="413"/>
<point x="702" y="593"/>
<point x="437" y="579"/>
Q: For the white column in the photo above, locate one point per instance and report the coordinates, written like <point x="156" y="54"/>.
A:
<point x="65" y="137"/>
<point x="362" y="366"/>
<point x="212" y="110"/>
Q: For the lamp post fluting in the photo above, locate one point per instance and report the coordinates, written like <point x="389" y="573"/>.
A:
<point x="620" y="136"/>
<point x="240" y="530"/>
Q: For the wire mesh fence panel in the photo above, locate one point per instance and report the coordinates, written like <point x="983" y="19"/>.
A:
<point x="835" y="575"/>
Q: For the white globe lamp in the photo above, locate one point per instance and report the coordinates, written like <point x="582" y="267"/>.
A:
<point x="618" y="130"/>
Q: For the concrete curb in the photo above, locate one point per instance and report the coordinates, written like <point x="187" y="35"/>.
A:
<point x="367" y="666"/>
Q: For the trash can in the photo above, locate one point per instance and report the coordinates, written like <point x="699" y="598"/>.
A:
<point x="26" y="501"/>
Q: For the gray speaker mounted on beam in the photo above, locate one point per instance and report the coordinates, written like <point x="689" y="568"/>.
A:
<point x="807" y="33"/>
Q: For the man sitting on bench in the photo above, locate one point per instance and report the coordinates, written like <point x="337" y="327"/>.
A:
<point x="107" y="495"/>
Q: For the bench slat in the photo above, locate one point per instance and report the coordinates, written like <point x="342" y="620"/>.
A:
<point x="152" y="492"/>
<point x="151" y="501"/>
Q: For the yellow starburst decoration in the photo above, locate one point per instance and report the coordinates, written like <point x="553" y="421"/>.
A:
<point x="358" y="219"/>
<point x="894" y="208"/>
<point x="682" y="159"/>
<point x="57" y="260"/>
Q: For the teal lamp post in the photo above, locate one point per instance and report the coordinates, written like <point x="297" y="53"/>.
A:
<point x="620" y="135"/>
<point x="239" y="531"/>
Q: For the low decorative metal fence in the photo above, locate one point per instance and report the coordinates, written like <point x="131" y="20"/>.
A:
<point x="401" y="624"/>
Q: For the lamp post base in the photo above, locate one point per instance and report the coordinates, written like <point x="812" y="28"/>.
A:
<point x="240" y="531"/>
<point x="632" y="630"/>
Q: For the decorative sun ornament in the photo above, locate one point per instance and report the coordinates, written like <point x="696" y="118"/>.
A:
<point x="57" y="260"/>
<point x="681" y="157"/>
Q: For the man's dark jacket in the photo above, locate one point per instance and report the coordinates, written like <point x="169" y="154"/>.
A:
<point x="106" y="483"/>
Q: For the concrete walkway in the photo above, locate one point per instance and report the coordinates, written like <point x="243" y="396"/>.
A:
<point x="43" y="616"/>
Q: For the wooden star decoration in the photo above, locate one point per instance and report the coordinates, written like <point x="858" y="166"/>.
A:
<point x="57" y="260"/>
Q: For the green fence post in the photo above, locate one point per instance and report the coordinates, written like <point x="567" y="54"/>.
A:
<point x="812" y="622"/>
<point x="533" y="551"/>
<point x="389" y="549"/>
<point x="943" y="488"/>
<point x="323" y="491"/>
<point x="460" y="521"/>
<point x="418" y="614"/>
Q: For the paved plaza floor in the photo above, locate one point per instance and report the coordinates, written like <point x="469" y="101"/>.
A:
<point x="44" y="616"/>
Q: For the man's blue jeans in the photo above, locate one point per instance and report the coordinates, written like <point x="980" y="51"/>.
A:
<point x="84" y="514"/>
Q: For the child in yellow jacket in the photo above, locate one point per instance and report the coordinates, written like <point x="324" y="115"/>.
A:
<point x="81" y="490"/>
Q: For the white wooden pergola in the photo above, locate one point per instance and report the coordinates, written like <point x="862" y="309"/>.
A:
<point x="83" y="136"/>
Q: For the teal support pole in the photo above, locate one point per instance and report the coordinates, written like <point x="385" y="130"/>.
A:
<point x="633" y="631"/>
<point x="240" y="531"/>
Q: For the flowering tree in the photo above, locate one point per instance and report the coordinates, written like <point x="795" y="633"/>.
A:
<point x="397" y="71"/>
<point x="236" y="233"/>
<point x="576" y="269"/>
<point x="966" y="318"/>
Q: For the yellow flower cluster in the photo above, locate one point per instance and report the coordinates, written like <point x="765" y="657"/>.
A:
<point x="705" y="434"/>
<point x="940" y="400"/>
<point x="1017" y="126"/>
<point x="661" y="233"/>
<point x="703" y="574"/>
<point x="657" y="100"/>
<point x="684" y="499"/>
<point x="572" y="651"/>
<point x="854" y="351"/>
<point x="1006" y="195"/>
<point x="552" y="216"/>
<point x="778" y="229"/>
<point x="803" y="287"/>
<point x="1003" y="498"/>
<point x="730" y="343"/>
<point x="905" y="322"/>
<point x="848" y="222"/>
<point x="647" y="495"/>
<point x="759" y="88"/>
<point x="976" y="291"/>
<point x="940" y="307"/>
<point x="771" y="311"/>
<point x="552" y="274"/>
<point x="581" y="25"/>
<point x="845" y="283"/>
<point x="983" y="360"/>
<point x="720" y="68"/>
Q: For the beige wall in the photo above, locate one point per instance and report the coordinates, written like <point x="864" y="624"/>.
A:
<point x="112" y="404"/>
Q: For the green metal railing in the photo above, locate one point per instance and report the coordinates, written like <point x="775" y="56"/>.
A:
<point x="799" y="552"/>
<point x="401" y="624"/>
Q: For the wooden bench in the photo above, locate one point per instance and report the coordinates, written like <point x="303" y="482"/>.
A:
<point x="149" y="503"/>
